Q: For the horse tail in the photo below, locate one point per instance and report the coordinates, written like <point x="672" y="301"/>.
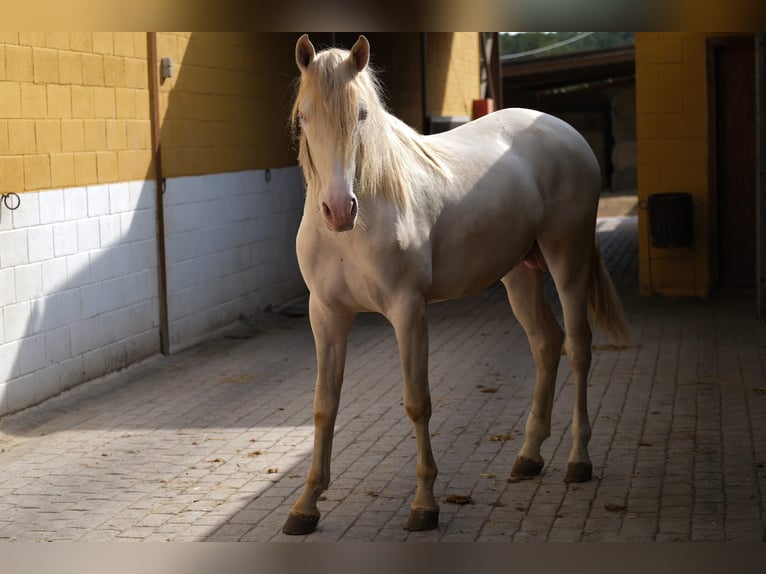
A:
<point x="603" y="302"/>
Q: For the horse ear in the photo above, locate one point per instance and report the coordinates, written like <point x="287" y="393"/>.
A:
<point x="304" y="52"/>
<point x="360" y="54"/>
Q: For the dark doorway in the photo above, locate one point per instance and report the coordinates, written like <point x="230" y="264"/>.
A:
<point x="732" y="107"/>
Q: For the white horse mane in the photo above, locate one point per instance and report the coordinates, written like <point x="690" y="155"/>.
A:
<point x="392" y="158"/>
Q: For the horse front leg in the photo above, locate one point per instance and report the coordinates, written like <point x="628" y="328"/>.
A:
<point x="411" y="326"/>
<point x="330" y="327"/>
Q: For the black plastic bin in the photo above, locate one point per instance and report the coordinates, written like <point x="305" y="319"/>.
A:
<point x="671" y="223"/>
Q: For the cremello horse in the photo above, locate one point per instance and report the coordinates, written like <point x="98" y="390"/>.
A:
<point x="394" y="220"/>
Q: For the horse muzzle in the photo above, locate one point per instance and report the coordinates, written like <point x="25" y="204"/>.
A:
<point x="340" y="215"/>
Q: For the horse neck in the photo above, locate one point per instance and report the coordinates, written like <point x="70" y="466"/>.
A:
<point x="404" y="161"/>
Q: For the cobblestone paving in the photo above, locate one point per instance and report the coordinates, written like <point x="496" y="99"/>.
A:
<point x="214" y="443"/>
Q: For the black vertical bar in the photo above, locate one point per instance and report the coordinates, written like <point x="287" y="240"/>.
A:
<point x="760" y="173"/>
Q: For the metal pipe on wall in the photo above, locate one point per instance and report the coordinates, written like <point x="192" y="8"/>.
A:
<point x="154" y="106"/>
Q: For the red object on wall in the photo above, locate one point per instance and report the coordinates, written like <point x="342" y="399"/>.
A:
<point x="482" y="107"/>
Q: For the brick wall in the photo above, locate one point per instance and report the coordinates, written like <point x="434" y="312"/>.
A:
<point x="671" y="124"/>
<point x="453" y="72"/>
<point x="78" y="263"/>
<point x="230" y="224"/>
<point x="78" y="288"/>
<point x="78" y="269"/>
<point x="74" y="109"/>
<point x="230" y="248"/>
<point x="226" y="107"/>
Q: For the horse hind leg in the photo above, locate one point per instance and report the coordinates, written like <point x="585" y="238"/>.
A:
<point x="524" y="285"/>
<point x="571" y="273"/>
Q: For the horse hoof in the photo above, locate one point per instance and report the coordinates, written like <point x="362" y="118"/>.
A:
<point x="579" y="472"/>
<point x="297" y="524"/>
<point x="422" y="520"/>
<point x="526" y="467"/>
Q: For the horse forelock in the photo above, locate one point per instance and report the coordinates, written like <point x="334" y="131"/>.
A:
<point x="387" y="150"/>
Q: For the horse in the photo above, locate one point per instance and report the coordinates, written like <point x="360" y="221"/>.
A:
<point x="394" y="220"/>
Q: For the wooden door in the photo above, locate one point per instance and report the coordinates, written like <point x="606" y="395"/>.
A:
<point x="734" y="140"/>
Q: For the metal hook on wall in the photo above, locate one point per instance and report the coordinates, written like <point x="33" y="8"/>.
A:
<point x="11" y="200"/>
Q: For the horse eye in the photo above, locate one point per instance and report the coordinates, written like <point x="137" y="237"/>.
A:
<point x="362" y="113"/>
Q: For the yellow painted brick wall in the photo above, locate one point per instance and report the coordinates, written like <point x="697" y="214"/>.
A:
<point x="453" y="75"/>
<point x="226" y="106"/>
<point x="671" y="124"/>
<point x="74" y="109"/>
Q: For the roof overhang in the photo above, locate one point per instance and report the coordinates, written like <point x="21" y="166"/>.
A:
<point x="551" y="72"/>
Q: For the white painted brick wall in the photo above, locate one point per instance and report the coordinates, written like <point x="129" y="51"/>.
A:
<point x="78" y="272"/>
<point x="230" y="243"/>
<point x="78" y="288"/>
<point x="40" y="242"/>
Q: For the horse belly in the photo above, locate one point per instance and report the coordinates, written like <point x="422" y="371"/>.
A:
<point x="476" y="261"/>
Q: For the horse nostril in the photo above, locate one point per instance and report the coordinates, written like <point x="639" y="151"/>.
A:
<point x="352" y="210"/>
<point x="326" y="211"/>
